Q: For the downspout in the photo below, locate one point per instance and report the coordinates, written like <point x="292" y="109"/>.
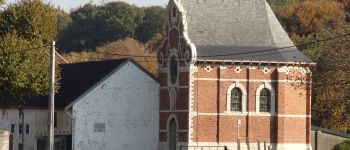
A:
<point x="72" y="122"/>
<point x="20" y="109"/>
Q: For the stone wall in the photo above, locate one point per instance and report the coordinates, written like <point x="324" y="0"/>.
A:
<point x="324" y="139"/>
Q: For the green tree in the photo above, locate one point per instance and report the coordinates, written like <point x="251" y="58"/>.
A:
<point x="343" y="146"/>
<point x="63" y="21"/>
<point x="30" y="19"/>
<point x="95" y="25"/>
<point x="152" y="24"/>
<point x="26" y="29"/>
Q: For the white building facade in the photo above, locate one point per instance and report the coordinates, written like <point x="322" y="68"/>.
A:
<point x="28" y="130"/>
<point x="120" y="112"/>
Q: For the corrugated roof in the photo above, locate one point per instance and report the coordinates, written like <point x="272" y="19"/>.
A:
<point x="230" y="27"/>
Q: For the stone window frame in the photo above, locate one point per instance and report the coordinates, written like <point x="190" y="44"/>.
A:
<point x="257" y="98"/>
<point x="244" y="98"/>
<point x="172" y="99"/>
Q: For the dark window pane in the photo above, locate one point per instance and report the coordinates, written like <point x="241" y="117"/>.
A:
<point x="172" y="137"/>
<point x="20" y="128"/>
<point x="27" y="128"/>
<point x="55" y="120"/>
<point x="12" y="128"/>
<point x="20" y="146"/>
<point x="173" y="70"/>
<point x="174" y="11"/>
<point x="236" y="99"/>
<point x="265" y="100"/>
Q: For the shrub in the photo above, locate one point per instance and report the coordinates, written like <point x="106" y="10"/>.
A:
<point x="343" y="146"/>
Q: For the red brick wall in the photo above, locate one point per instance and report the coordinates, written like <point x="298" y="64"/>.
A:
<point x="210" y="97"/>
<point x="174" y="41"/>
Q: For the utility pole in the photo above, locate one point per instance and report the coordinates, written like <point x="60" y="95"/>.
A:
<point x="52" y="98"/>
<point x="238" y="139"/>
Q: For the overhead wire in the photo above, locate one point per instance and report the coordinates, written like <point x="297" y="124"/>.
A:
<point x="256" y="52"/>
<point x="241" y="53"/>
<point x="109" y="55"/>
<point x="29" y="49"/>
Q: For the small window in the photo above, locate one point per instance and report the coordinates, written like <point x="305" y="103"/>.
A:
<point x="55" y="120"/>
<point x="236" y="99"/>
<point x="174" y="11"/>
<point x="20" y="146"/>
<point x="100" y="127"/>
<point x="12" y="128"/>
<point x="20" y="128"/>
<point x="265" y="100"/>
<point x="27" y="128"/>
<point x="173" y="70"/>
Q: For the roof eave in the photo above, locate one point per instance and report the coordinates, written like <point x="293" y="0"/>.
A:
<point x="250" y="62"/>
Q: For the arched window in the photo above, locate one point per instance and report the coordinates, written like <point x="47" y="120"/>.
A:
<point x="265" y="100"/>
<point x="172" y="135"/>
<point x="173" y="70"/>
<point x="236" y="99"/>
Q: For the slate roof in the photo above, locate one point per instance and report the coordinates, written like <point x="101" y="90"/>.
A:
<point x="76" y="78"/>
<point x="224" y="29"/>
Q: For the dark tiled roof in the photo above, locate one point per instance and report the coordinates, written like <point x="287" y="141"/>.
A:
<point x="76" y="78"/>
<point x="220" y="27"/>
<point x="247" y="53"/>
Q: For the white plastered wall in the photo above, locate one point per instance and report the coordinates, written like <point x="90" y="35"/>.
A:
<point x="37" y="119"/>
<point x="127" y="105"/>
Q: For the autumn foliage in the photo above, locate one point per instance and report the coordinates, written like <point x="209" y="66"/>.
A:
<point x="324" y="24"/>
<point x="309" y="17"/>
<point x="125" y="48"/>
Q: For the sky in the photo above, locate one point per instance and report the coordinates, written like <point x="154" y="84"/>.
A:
<point x="69" y="4"/>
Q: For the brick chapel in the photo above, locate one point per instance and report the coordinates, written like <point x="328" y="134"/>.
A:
<point x="231" y="78"/>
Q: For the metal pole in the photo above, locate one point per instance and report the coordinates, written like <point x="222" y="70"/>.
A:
<point x="238" y="124"/>
<point x="238" y="139"/>
<point x="52" y="98"/>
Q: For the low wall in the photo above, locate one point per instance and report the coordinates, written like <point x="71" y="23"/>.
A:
<point x="324" y="139"/>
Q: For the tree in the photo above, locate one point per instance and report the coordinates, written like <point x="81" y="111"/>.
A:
<point x="308" y="17"/>
<point x="343" y="146"/>
<point x="95" y="25"/>
<point x="129" y="48"/>
<point x="26" y="29"/>
<point x="126" y="48"/>
<point x="331" y="88"/>
<point x="63" y="21"/>
<point x="282" y="2"/>
<point x="30" y="19"/>
<point x="152" y="24"/>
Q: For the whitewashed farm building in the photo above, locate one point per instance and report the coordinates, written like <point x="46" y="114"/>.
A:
<point x="102" y="104"/>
